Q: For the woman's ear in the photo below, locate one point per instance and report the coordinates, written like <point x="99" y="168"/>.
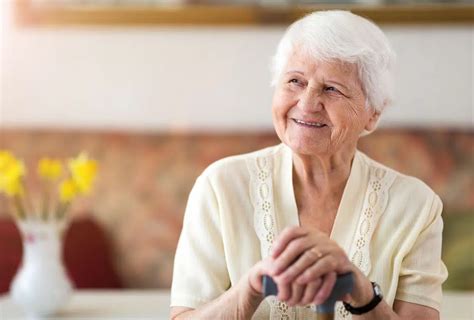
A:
<point x="373" y="120"/>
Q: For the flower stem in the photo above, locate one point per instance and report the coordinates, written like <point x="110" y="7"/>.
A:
<point x="46" y="204"/>
<point x="27" y="203"/>
<point x="62" y="210"/>
<point x="20" y="208"/>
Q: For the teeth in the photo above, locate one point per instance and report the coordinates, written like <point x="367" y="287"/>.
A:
<point x="313" y="124"/>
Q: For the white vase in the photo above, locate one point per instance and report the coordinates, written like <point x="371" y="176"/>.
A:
<point x="41" y="286"/>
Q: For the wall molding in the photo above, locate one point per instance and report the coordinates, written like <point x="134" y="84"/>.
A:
<point x="28" y="14"/>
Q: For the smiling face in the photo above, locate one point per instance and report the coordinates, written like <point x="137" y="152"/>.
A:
<point x="319" y="107"/>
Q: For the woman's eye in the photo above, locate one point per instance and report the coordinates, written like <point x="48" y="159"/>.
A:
<point x="331" y="89"/>
<point x="296" y="83"/>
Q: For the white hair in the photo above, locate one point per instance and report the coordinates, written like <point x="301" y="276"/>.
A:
<point x="343" y="36"/>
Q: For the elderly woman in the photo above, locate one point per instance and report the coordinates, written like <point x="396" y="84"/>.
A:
<point x="314" y="207"/>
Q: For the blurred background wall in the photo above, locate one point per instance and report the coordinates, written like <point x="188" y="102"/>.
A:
<point x="212" y="78"/>
<point x="155" y="105"/>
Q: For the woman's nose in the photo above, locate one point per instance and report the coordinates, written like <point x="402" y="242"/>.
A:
<point x="310" y="100"/>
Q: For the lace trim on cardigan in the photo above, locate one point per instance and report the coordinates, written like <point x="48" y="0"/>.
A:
<point x="375" y="202"/>
<point x="261" y="193"/>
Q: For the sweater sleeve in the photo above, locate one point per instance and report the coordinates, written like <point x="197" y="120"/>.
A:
<point x="422" y="271"/>
<point x="200" y="271"/>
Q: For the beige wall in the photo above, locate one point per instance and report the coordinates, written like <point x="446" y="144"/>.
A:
<point x="203" y="78"/>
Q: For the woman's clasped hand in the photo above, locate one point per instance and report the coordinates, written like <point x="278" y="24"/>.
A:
<point x="304" y="263"/>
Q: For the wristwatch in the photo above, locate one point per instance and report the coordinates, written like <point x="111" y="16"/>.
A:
<point x="378" y="296"/>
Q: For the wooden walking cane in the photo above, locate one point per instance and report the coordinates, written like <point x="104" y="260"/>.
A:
<point x="343" y="285"/>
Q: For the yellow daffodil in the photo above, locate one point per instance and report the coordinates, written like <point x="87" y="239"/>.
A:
<point x="6" y="158"/>
<point x="11" y="172"/>
<point x="83" y="172"/>
<point x="68" y="191"/>
<point x="12" y="187"/>
<point x="49" y="169"/>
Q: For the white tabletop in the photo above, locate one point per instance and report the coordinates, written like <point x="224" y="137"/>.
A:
<point x="103" y="304"/>
<point x="154" y="304"/>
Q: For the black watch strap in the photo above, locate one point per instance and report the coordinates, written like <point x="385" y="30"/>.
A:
<point x="368" y="307"/>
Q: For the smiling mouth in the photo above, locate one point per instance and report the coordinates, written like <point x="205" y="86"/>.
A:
<point x="309" y="124"/>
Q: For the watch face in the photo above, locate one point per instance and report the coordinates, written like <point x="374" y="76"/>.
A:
<point x="377" y="290"/>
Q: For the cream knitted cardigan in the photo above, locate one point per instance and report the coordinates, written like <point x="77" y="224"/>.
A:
<point x="389" y="224"/>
